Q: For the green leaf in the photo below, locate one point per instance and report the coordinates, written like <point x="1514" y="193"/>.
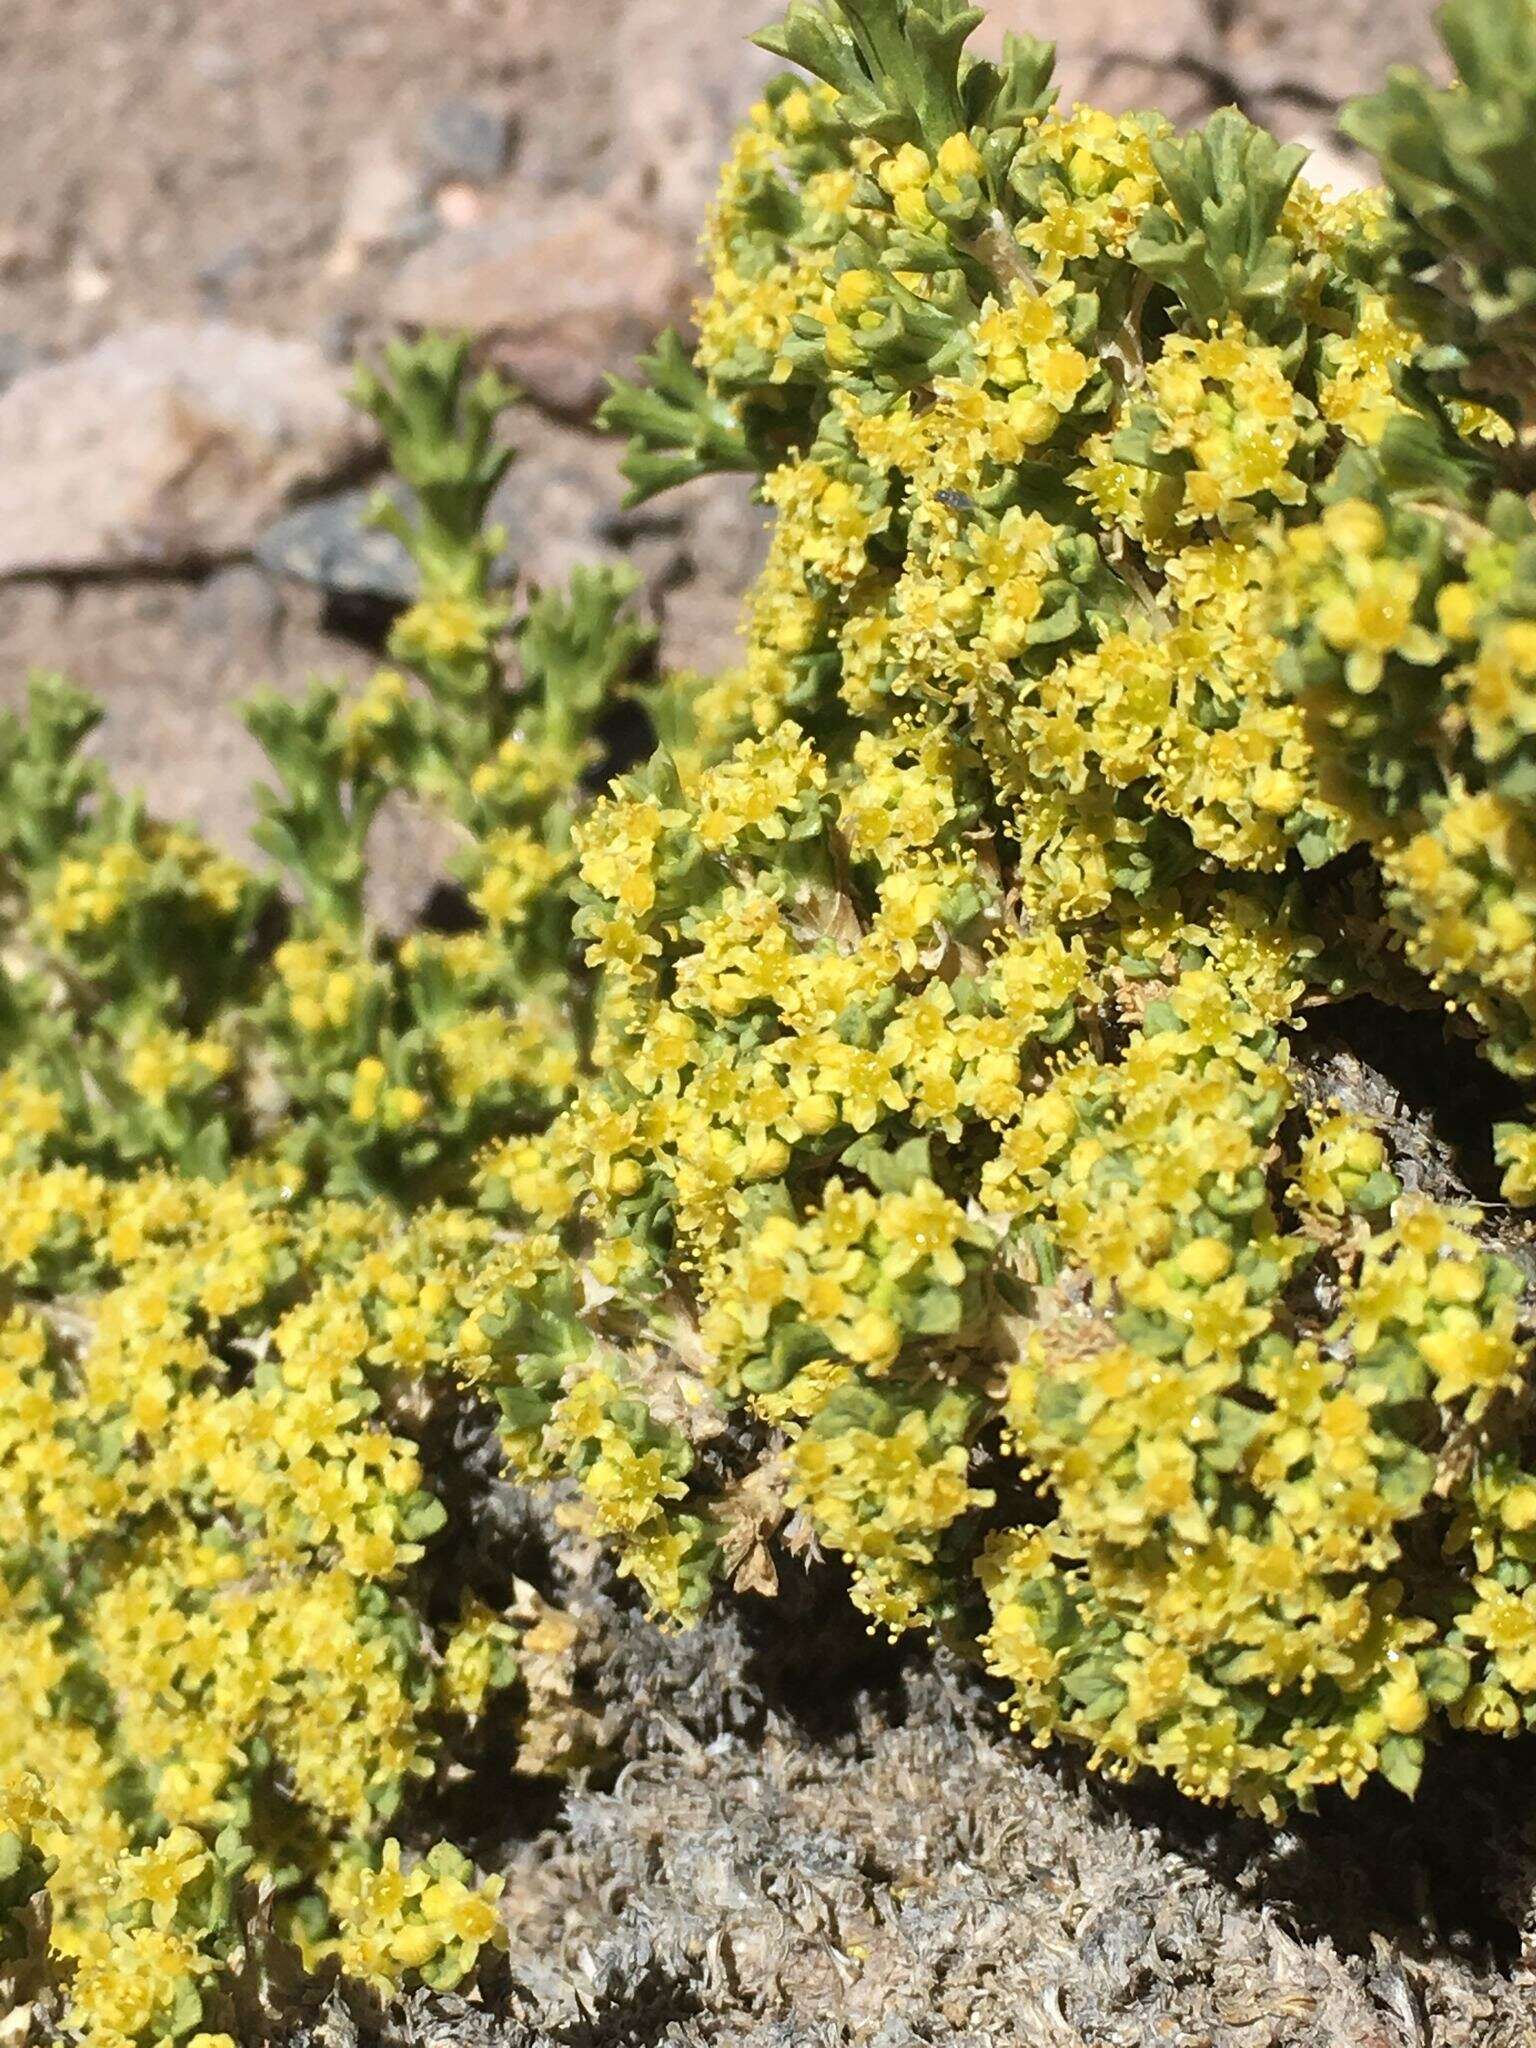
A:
<point x="1218" y="247"/>
<point x="678" y="428"/>
<point x="1402" y="1762"/>
<point x="897" y="65"/>
<point x="892" y="1172"/>
<point x="936" y="1312"/>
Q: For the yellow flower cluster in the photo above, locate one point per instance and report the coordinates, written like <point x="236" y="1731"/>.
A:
<point x="1111" y="698"/>
<point x="217" y="1448"/>
<point x="429" y="1919"/>
<point x="134" y="885"/>
<point x="1228" y="410"/>
<point x="250" y="1627"/>
<point x="1410" y="650"/>
<point x="1040" y="1251"/>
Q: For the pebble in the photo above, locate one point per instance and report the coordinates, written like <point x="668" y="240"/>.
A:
<point x="468" y="140"/>
<point x="332" y="545"/>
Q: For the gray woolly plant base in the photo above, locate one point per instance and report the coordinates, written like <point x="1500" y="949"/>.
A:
<point x="919" y="1875"/>
<point x="815" y="1840"/>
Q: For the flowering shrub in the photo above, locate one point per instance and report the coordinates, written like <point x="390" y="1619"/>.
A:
<point x="247" y="1305"/>
<point x="882" y="1122"/>
<point x="1141" y="664"/>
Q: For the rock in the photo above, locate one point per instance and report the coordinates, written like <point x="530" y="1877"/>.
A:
<point x="560" y="506"/>
<point x="1187" y="56"/>
<point x="383" y="206"/>
<point x="564" y="289"/>
<point x="332" y="546"/>
<point x="468" y="140"/>
<point x="1344" y="48"/>
<point x="236" y="604"/>
<point x="15" y="357"/>
<point x="165" y="447"/>
<point x="1120" y="53"/>
<point x="685" y="77"/>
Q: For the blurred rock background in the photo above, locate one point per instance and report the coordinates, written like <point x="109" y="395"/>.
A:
<point x="207" y="208"/>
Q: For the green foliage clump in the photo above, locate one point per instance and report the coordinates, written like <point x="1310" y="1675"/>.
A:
<point x="1456" y="160"/>
<point x="162" y="1002"/>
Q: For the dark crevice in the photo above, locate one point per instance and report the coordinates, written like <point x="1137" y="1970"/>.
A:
<point x="1426" y="1075"/>
<point x="1222" y="86"/>
<point x="1445" y="1874"/>
<point x="627" y="741"/>
<point x="811" y="1654"/>
<point x="363" y="621"/>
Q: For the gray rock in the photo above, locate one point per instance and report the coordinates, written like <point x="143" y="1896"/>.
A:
<point x="237" y="603"/>
<point x="333" y="546"/>
<point x="15" y="356"/>
<point x="467" y="139"/>
<point x="166" y="447"/>
<point x="724" y="539"/>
